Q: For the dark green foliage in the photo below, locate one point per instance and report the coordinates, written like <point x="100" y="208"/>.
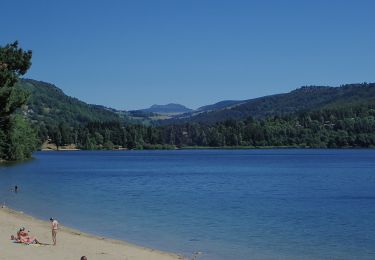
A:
<point x="55" y="114"/>
<point x="3" y="145"/>
<point x="22" y="141"/>
<point x="350" y="126"/>
<point x="14" y="62"/>
<point x="308" y="117"/>
<point x="220" y="105"/>
<point x="142" y="113"/>
<point x="17" y="139"/>
<point x="48" y="104"/>
<point x="302" y="99"/>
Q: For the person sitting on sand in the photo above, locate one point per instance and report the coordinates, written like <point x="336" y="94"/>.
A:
<point x="83" y="258"/>
<point x="23" y="237"/>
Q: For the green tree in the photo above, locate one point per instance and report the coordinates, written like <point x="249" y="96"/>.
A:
<point x="17" y="138"/>
<point x="22" y="140"/>
<point x="14" y="62"/>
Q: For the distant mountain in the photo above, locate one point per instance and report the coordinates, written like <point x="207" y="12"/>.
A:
<point x="303" y="99"/>
<point x="171" y="108"/>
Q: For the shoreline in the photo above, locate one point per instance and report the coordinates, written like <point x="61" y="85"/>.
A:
<point x="71" y="243"/>
<point x="218" y="148"/>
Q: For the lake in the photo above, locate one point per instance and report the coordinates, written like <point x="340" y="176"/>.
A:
<point x="227" y="204"/>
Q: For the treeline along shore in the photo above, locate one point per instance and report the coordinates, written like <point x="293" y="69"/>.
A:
<point x="33" y="113"/>
<point x="352" y="126"/>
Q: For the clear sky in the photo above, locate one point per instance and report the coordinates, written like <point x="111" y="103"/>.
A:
<point x="132" y="54"/>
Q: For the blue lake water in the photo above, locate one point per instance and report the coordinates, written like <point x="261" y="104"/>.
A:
<point x="228" y="204"/>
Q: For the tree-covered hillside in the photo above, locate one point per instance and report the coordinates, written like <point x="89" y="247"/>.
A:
<point x="302" y="99"/>
<point x="220" y="105"/>
<point x="48" y="107"/>
<point x="49" y="104"/>
<point x="352" y="126"/>
<point x="306" y="117"/>
<point x="315" y="116"/>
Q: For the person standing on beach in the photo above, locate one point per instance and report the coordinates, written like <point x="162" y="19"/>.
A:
<point x="55" y="227"/>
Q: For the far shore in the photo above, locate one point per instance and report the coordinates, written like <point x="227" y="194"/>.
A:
<point x="214" y="148"/>
<point x="71" y="243"/>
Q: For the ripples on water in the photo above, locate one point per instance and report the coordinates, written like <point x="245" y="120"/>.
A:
<point x="229" y="204"/>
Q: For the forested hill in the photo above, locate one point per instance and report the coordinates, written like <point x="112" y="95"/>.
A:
<point x="303" y="99"/>
<point x="220" y="105"/>
<point x="48" y="106"/>
<point x="309" y="117"/>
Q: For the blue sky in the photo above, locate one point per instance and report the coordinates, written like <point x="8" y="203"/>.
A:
<point x="132" y="54"/>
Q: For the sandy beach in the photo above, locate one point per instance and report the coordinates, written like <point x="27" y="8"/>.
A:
<point x="71" y="244"/>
